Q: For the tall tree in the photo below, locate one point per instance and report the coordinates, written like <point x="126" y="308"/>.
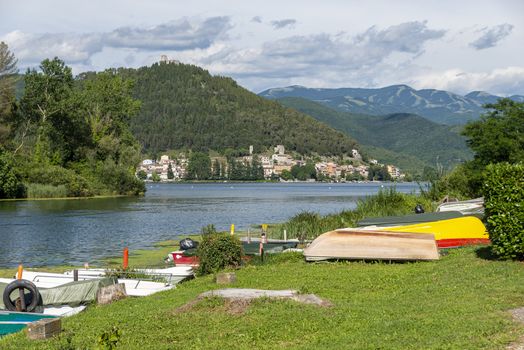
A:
<point x="8" y="73"/>
<point x="49" y="104"/>
<point x="198" y="166"/>
<point x="497" y="137"/>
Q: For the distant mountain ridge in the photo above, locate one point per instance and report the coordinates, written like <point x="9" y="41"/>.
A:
<point x="407" y="140"/>
<point x="439" y="106"/>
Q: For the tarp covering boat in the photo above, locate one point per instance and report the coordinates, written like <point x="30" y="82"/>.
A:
<point x="72" y="294"/>
<point x="372" y="245"/>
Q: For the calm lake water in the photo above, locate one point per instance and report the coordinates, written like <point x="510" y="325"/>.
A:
<point x="54" y="232"/>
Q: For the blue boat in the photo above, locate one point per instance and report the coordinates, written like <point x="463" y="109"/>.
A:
<point x="12" y="322"/>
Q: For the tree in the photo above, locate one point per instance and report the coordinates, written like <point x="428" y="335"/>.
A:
<point x="497" y="137"/>
<point x="48" y="103"/>
<point x="8" y="73"/>
<point x="304" y="172"/>
<point x="170" y="175"/>
<point x="286" y="175"/>
<point x="155" y="177"/>
<point x="10" y="182"/>
<point x="198" y="166"/>
<point x="141" y="174"/>
<point x="378" y="173"/>
<point x="217" y="170"/>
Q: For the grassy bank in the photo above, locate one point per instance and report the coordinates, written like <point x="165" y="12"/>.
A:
<point x="386" y="202"/>
<point x="459" y="302"/>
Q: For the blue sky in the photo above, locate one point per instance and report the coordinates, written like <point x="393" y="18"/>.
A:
<point x="459" y="46"/>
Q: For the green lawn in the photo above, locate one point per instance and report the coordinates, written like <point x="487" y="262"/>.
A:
<point x="459" y="302"/>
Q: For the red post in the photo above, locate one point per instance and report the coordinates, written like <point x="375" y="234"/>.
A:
<point x="126" y="258"/>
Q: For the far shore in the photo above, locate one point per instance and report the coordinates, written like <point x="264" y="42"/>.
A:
<point x="68" y="198"/>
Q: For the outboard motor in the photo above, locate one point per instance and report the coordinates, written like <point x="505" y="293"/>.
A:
<point x="419" y="209"/>
<point x="188" y="243"/>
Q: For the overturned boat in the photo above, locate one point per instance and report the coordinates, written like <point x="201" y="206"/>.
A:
<point x="457" y="232"/>
<point x="372" y="245"/>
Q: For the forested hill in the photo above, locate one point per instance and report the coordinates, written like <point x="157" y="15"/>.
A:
<point x="407" y="140"/>
<point x="183" y="106"/>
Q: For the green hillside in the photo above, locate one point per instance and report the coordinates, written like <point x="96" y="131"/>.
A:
<point x="184" y="106"/>
<point x="404" y="139"/>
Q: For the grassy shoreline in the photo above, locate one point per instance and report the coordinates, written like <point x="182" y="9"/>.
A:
<point x="459" y="302"/>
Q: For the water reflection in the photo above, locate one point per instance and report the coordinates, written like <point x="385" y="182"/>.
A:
<point x="53" y="232"/>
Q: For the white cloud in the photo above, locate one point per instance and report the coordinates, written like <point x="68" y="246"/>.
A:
<point x="33" y="48"/>
<point x="492" y="36"/>
<point x="175" y="35"/>
<point x="182" y="34"/>
<point x="315" y="54"/>
<point x="500" y="81"/>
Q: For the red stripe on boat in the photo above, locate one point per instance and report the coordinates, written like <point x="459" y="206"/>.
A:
<point x="459" y="242"/>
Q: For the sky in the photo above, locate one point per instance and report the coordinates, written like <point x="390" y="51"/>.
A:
<point x="459" y="46"/>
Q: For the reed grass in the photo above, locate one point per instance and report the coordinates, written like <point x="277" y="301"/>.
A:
<point x="45" y="191"/>
<point x="387" y="202"/>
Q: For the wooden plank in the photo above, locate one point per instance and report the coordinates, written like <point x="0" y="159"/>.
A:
<point x="372" y="245"/>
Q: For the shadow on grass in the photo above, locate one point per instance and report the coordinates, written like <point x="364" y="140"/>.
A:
<point x="486" y="253"/>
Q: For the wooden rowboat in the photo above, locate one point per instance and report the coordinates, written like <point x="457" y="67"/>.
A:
<point x="372" y="245"/>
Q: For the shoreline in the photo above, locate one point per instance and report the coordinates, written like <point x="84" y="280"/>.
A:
<point x="69" y="198"/>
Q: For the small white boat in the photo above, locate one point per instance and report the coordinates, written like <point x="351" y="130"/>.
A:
<point x="134" y="286"/>
<point x="469" y="207"/>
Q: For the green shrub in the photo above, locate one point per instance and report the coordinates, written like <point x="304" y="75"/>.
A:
<point x="10" y="184"/>
<point x="217" y="251"/>
<point x="76" y="185"/>
<point x="504" y="202"/>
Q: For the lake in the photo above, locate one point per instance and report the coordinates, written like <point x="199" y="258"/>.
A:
<point x="75" y="231"/>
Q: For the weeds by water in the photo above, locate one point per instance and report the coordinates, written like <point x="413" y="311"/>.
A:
<point x="387" y="202"/>
<point x="46" y="191"/>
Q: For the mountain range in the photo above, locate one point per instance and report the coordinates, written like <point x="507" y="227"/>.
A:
<point x="407" y="140"/>
<point x="438" y="106"/>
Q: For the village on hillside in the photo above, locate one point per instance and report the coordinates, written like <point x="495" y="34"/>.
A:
<point x="276" y="166"/>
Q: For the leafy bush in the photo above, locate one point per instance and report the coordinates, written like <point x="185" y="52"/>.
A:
<point x="76" y="185"/>
<point x="504" y="202"/>
<point x="218" y="251"/>
<point x="10" y="184"/>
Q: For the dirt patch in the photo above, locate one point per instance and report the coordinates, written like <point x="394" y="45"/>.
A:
<point x="230" y="306"/>
<point x="237" y="307"/>
<point x="235" y="301"/>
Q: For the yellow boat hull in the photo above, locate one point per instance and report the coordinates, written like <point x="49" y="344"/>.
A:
<point x="466" y="230"/>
